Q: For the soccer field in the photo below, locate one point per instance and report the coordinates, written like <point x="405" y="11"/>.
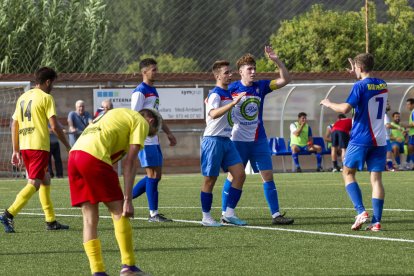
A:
<point x="319" y="243"/>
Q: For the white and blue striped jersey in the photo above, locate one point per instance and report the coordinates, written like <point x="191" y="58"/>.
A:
<point x="248" y="113"/>
<point x="145" y="96"/>
<point x="221" y="126"/>
<point x="369" y="99"/>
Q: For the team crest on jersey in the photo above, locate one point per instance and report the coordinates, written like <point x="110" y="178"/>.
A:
<point x="229" y="117"/>
<point x="156" y="103"/>
<point x="250" y="108"/>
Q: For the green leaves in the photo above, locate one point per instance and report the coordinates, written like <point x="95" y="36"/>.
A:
<point x="70" y="36"/>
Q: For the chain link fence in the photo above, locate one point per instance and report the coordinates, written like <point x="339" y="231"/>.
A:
<point x="102" y="36"/>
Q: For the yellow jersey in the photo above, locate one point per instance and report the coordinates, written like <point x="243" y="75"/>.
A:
<point x="33" y="110"/>
<point x="109" y="136"/>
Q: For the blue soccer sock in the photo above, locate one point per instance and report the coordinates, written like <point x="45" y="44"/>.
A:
<point x="389" y="164"/>
<point x="411" y="158"/>
<point x="206" y="201"/>
<point x="397" y="160"/>
<point x="356" y="196"/>
<point x="233" y="197"/>
<point x="140" y="187"/>
<point x="318" y="159"/>
<point x="295" y="157"/>
<point x="225" y="194"/>
<point x="377" y="207"/>
<point x="152" y="193"/>
<point x="272" y="199"/>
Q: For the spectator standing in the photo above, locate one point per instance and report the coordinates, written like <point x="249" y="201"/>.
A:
<point x="78" y="120"/>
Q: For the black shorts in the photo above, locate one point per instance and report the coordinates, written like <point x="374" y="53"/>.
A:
<point x="340" y="139"/>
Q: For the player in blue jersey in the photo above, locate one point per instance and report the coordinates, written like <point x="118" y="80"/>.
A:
<point x="248" y="133"/>
<point x="145" y="95"/>
<point x="217" y="150"/>
<point x="368" y="142"/>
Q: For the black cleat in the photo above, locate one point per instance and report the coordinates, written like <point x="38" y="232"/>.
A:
<point x="319" y="169"/>
<point x="159" y="218"/>
<point x="7" y="222"/>
<point x="55" y="225"/>
<point x="298" y="170"/>
<point x="132" y="271"/>
<point x="282" y="220"/>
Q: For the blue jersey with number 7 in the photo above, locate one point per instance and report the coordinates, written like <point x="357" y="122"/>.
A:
<point x="369" y="99"/>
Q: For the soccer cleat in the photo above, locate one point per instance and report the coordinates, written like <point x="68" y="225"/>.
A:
<point x="374" y="227"/>
<point x="337" y="169"/>
<point x="159" y="218"/>
<point x="8" y="223"/>
<point x="131" y="270"/>
<point x="360" y="220"/>
<point x="210" y="222"/>
<point x="319" y="169"/>
<point x="298" y="170"/>
<point x="55" y="225"/>
<point x="233" y="220"/>
<point x="281" y="220"/>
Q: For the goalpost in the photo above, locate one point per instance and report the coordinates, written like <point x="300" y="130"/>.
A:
<point x="9" y="93"/>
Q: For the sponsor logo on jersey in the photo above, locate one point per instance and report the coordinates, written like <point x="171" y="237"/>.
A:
<point x="250" y="108"/>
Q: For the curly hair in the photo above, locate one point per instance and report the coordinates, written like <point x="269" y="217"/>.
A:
<point x="247" y="59"/>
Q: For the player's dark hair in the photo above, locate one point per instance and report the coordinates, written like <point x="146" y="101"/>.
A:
<point x="301" y="114"/>
<point x="156" y="124"/>
<point x="395" y="113"/>
<point x="410" y="100"/>
<point x="45" y="73"/>
<point x="218" y="64"/>
<point x="365" y="61"/>
<point x="147" y="62"/>
<point x="247" y="59"/>
<point x="341" y="116"/>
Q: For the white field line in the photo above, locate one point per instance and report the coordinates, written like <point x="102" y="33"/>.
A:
<point x="241" y="207"/>
<point x="262" y="228"/>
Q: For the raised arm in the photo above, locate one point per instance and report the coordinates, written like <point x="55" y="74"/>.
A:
<point x="284" y="74"/>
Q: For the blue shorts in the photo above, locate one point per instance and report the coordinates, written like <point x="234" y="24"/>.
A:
<point x="150" y="156"/>
<point x="301" y="148"/>
<point x="389" y="147"/>
<point x="217" y="152"/>
<point x="399" y="145"/>
<point x="375" y="157"/>
<point x="411" y="140"/>
<point x="257" y="152"/>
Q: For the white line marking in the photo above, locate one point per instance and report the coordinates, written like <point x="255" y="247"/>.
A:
<point x="263" y="228"/>
<point x="240" y="207"/>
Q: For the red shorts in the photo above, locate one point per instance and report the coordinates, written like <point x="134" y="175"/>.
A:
<point x="36" y="162"/>
<point x="92" y="180"/>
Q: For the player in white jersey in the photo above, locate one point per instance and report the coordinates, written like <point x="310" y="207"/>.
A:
<point x="248" y="133"/>
<point x="145" y="95"/>
<point x="217" y="150"/>
<point x="368" y="138"/>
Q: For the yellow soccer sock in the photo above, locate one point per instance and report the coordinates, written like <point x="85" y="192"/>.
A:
<point x="46" y="201"/>
<point x="123" y="234"/>
<point x="94" y="253"/>
<point x="21" y="199"/>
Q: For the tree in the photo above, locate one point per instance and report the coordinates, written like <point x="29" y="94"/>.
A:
<point x="321" y="40"/>
<point x="167" y="63"/>
<point x="70" y="36"/>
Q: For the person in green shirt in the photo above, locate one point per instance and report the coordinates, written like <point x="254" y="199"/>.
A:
<point x="301" y="141"/>
<point x="397" y="137"/>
